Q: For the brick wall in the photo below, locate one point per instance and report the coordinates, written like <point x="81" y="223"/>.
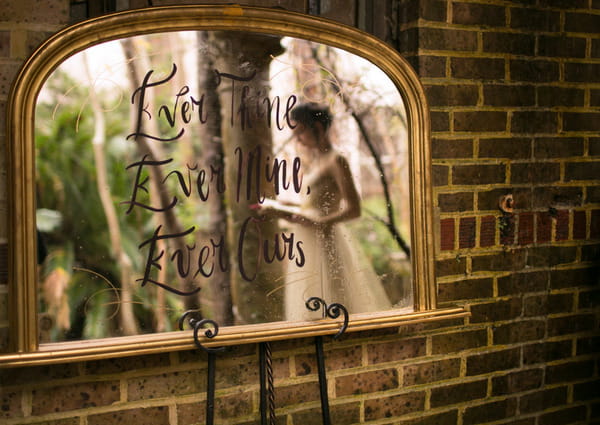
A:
<point x="514" y="92"/>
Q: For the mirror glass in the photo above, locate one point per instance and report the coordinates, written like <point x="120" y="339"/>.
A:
<point x="233" y="174"/>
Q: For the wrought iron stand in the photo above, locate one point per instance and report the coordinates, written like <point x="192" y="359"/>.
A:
<point x="267" y="388"/>
<point x="212" y="358"/>
<point x="332" y="311"/>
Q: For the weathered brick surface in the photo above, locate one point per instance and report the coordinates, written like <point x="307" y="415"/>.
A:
<point x="149" y="415"/>
<point x="396" y="405"/>
<point x="71" y="397"/>
<point x="367" y="382"/>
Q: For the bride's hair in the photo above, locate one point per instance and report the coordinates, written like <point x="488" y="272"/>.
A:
<point x="311" y="113"/>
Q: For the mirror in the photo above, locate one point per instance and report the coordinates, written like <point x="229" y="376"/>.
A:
<point x="230" y="161"/>
<point x="235" y="175"/>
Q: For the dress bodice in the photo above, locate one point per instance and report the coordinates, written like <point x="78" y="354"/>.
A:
<point x="325" y="195"/>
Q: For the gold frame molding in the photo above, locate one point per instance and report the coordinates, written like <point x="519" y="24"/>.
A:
<point x="23" y="346"/>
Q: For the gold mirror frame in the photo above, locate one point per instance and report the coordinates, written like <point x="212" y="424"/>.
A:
<point x="23" y="346"/>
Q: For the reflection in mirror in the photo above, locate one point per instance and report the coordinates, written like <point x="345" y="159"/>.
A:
<point x="233" y="174"/>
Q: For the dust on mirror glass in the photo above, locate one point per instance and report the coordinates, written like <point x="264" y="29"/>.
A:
<point x="233" y="174"/>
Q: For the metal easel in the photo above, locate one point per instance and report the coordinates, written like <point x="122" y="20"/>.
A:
<point x="267" y="388"/>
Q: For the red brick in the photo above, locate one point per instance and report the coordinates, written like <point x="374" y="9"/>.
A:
<point x="366" y="382"/>
<point x="478" y="174"/>
<point x="525" y="234"/>
<point x="533" y="70"/>
<point x="548" y="256"/>
<point x="509" y="95"/>
<point x="444" y="418"/>
<point x="440" y="121"/>
<point x="512" y="43"/>
<point x="551" y="96"/>
<point x="478" y="364"/>
<point x="478" y="14"/>
<point x="520" y="283"/>
<point x="561" y="46"/>
<point x="296" y="393"/>
<point x="540" y="305"/>
<point x="452" y="95"/>
<point x="451" y="148"/>
<point x="147" y="416"/>
<point x="424" y="373"/>
<point x="581" y="72"/>
<point x="513" y="260"/>
<point x="167" y="384"/>
<point x="516" y="382"/>
<point x="569" y="372"/>
<point x="507" y="229"/>
<point x="440" y="175"/>
<point x="586" y="390"/>
<point x="431" y="66"/>
<point x="512" y="148"/>
<point x="447" y="234"/>
<point x="544" y="227"/>
<point x="535" y="173"/>
<point x="579" y="224"/>
<point x="443" y="39"/>
<point x="565" y="416"/>
<point x="588" y="345"/>
<point x="10" y="404"/>
<point x="529" y="122"/>
<point x="487" y="231"/>
<point x="543" y="399"/>
<point x="595" y="225"/>
<point x="545" y="197"/>
<point x="526" y="330"/>
<point x="5" y="44"/>
<point x="480" y="121"/>
<point x="450" y="267"/>
<point x="455" y="202"/>
<point x="71" y="397"/>
<point x="396" y="350"/>
<point x="589" y="299"/>
<point x="582" y="22"/>
<point x="389" y="407"/>
<point x="453" y="342"/>
<point x="577" y="171"/>
<point x="452" y="394"/>
<point x="489" y="412"/>
<point x="546" y="351"/>
<point x="496" y="310"/>
<point x="465" y="290"/>
<point x="570" y="324"/>
<point x="466" y="232"/>
<point x="346" y="413"/>
<point x="572" y="278"/>
<point x="562" y="225"/>
<point x="534" y="19"/>
<point x="337" y="359"/>
<point x="477" y="68"/>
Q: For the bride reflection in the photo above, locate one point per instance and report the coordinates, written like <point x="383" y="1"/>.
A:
<point x="334" y="269"/>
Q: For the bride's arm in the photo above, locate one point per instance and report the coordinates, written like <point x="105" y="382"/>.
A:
<point x="349" y="205"/>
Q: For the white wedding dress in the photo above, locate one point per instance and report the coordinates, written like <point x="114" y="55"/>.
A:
<point x="335" y="268"/>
